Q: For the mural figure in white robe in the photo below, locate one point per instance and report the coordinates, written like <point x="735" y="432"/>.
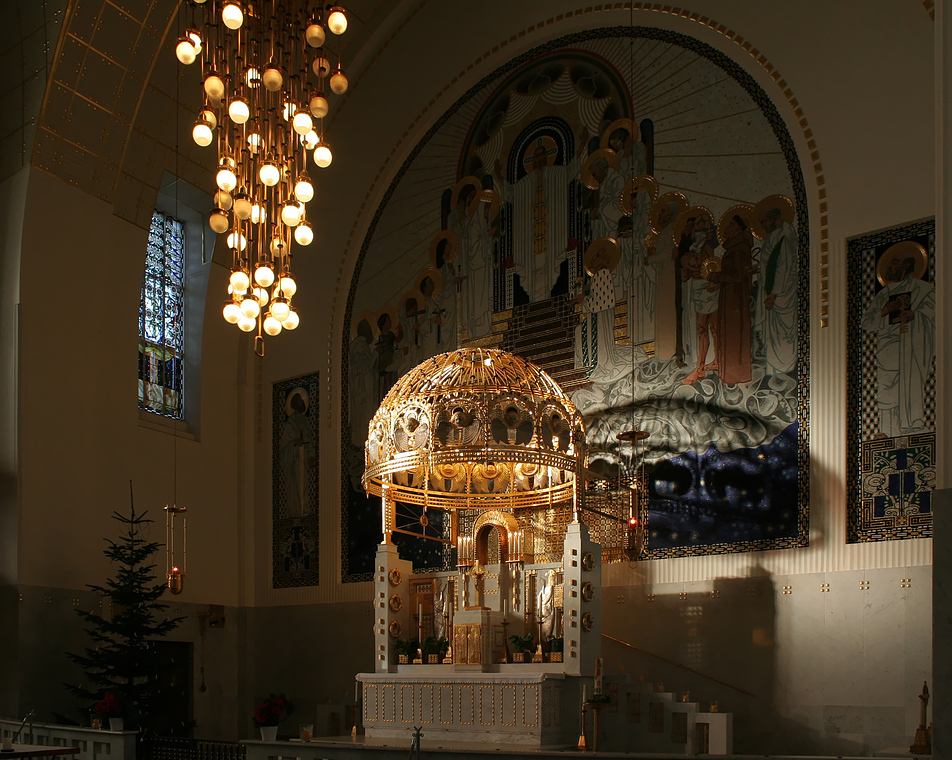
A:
<point x="902" y="315"/>
<point x="777" y="298"/>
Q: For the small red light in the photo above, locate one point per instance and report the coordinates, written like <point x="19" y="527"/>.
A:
<point x="175" y="571"/>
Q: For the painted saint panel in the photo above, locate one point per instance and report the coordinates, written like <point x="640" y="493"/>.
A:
<point x="625" y="208"/>
<point x="891" y="423"/>
<point x="294" y="482"/>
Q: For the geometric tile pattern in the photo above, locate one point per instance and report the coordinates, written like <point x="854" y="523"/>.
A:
<point x="889" y="479"/>
<point x="294" y="481"/>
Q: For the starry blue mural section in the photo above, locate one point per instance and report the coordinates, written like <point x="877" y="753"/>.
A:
<point x="746" y="495"/>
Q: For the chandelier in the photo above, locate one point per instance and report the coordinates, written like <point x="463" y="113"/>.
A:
<point x="265" y="75"/>
<point x="475" y="429"/>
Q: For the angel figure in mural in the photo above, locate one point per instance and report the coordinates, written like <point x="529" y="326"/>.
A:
<point x="540" y="201"/>
<point x="473" y="221"/>
<point x="776" y="306"/>
<point x="902" y="314"/>
<point x="700" y="297"/>
<point x="298" y="451"/>
<point x="363" y="374"/>
<point x="546" y="606"/>
<point x="661" y="255"/>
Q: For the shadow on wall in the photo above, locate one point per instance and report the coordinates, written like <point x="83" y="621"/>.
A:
<point x="719" y="646"/>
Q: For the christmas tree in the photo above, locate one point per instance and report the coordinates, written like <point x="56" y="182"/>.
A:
<point x="122" y="659"/>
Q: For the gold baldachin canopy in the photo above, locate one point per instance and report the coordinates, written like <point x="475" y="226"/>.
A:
<point x="475" y="429"/>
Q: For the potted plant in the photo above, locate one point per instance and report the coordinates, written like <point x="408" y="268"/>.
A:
<point x="406" y="650"/>
<point x="520" y="645"/>
<point x="555" y="649"/>
<point x="108" y="707"/>
<point x="268" y="714"/>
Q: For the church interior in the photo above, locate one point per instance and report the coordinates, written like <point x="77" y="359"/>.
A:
<point x="600" y="362"/>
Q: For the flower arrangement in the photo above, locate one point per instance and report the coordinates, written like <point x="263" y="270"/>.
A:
<point x="269" y="711"/>
<point x="108" y="706"/>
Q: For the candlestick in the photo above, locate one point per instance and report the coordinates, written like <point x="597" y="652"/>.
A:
<point x="598" y="676"/>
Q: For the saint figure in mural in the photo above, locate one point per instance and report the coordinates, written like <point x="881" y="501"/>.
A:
<point x="540" y="202"/>
<point x="363" y="380"/>
<point x="298" y="452"/>
<point x="700" y="297"/>
<point x="733" y="333"/>
<point x="547" y="611"/>
<point x="777" y="297"/>
<point x="470" y="220"/>
<point x="902" y="314"/>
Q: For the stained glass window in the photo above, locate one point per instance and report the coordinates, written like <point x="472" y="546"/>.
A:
<point x="162" y="319"/>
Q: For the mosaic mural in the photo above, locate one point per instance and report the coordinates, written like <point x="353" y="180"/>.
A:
<point x="294" y="482"/>
<point x="625" y="208"/>
<point x="891" y="366"/>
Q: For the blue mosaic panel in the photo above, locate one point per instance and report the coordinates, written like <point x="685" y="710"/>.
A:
<point x="891" y="396"/>
<point x="294" y="482"/>
<point x="162" y="319"/>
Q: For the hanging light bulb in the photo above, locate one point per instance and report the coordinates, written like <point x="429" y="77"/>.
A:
<point x="226" y="178"/>
<point x="254" y="143"/>
<point x="323" y="155"/>
<point x="237" y="241"/>
<point x="271" y="325"/>
<point x="315" y="35"/>
<point x="318" y="106"/>
<point x="196" y="38"/>
<point x="202" y="133"/>
<point x="224" y="201"/>
<point x="277" y="245"/>
<point x="310" y="140"/>
<point x="269" y="174"/>
<point x="231" y="312"/>
<point x="261" y="296"/>
<point x="239" y="111"/>
<point x="185" y="51"/>
<point x="304" y="233"/>
<point x="321" y="66"/>
<point x="214" y="87"/>
<point x="242" y="206"/>
<point x="246" y="324"/>
<point x="273" y="78"/>
<point x="303" y="189"/>
<point x="264" y="273"/>
<point x="287" y="284"/>
<point x="338" y="81"/>
<point x="337" y="20"/>
<point x="208" y="114"/>
<point x="239" y="279"/>
<point x="280" y="308"/>
<point x="232" y="15"/>
<point x="218" y="221"/>
<point x="292" y="321"/>
<point x="253" y="78"/>
<point x="250" y="306"/>
<point x="301" y="122"/>
<point x="258" y="214"/>
<point x="290" y="213"/>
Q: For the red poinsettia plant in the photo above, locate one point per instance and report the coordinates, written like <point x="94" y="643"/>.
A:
<point x="269" y="711"/>
<point x="108" y="706"/>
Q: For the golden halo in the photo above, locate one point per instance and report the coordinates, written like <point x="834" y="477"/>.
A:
<point x="434" y="274"/>
<point x="641" y="183"/>
<point x="451" y="249"/>
<point x="392" y="313"/>
<point x="743" y="210"/>
<point x="586" y="174"/>
<point x="903" y="250"/>
<point x="624" y="123"/>
<point x="605" y="243"/>
<point x="691" y="213"/>
<point x="781" y="202"/>
<point x="299" y="391"/>
<point x="551" y="151"/>
<point x="371" y="320"/>
<point x="665" y="201"/>
<point x="416" y="294"/>
<point x="477" y="186"/>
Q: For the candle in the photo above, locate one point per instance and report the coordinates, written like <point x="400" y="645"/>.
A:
<point x="584" y="693"/>
<point x="598" y="676"/>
